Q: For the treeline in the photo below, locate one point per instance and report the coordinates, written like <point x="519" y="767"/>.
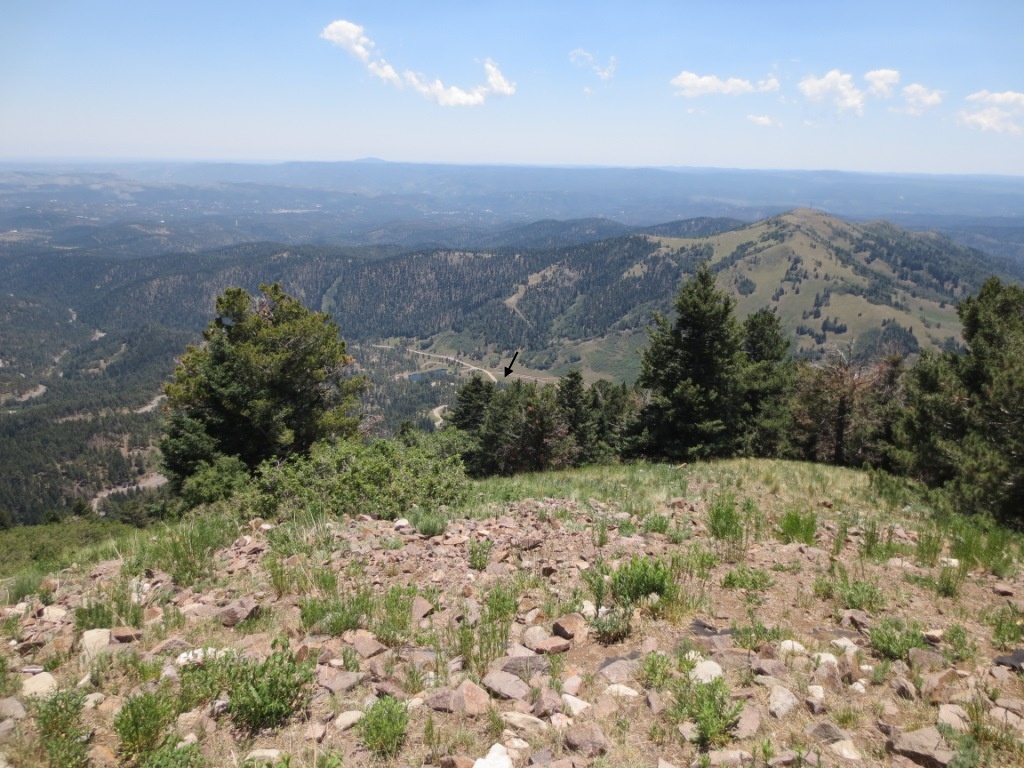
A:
<point x="714" y="387"/>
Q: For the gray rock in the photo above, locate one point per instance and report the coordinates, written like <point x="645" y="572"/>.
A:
<point x="337" y="680"/>
<point x="272" y="756"/>
<point x="954" y="716"/>
<point x="523" y="723"/>
<point x="781" y="702"/>
<point x="619" y="671"/>
<point x="237" y="611"/>
<point x="706" y="671"/>
<point x="924" y="746"/>
<point x="572" y="626"/>
<point x="471" y="700"/>
<point x="12" y="708"/>
<point x="346" y="720"/>
<point x="903" y="688"/>
<point x="524" y="667"/>
<point x="42" y="684"/>
<point x="921" y="660"/>
<point x="533" y="636"/>
<point x="505" y="685"/>
<point x="441" y="700"/>
<point x="548" y="703"/>
<point x="826" y="731"/>
<point x="749" y="723"/>
<point x="587" y="739"/>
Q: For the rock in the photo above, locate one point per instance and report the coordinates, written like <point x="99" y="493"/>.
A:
<point x="688" y="730"/>
<point x="725" y="757"/>
<point x="924" y="746"/>
<point x="770" y="667"/>
<point x="237" y="611"/>
<point x="421" y="608"/>
<point x="903" y="688"/>
<point x="846" y="749"/>
<point x="855" y="618"/>
<point x="619" y="670"/>
<point x="505" y="685"/>
<point x="587" y="739"/>
<point x="921" y="660"/>
<point x="1013" y="705"/>
<point x="337" y="680"/>
<point x="42" y="684"/>
<point x="497" y="757"/>
<point x="272" y="756"/>
<point x="172" y="645"/>
<point x="619" y="690"/>
<point x="547" y="704"/>
<point x="849" y="666"/>
<point x="553" y="645"/>
<point x="125" y="634"/>
<point x="535" y="635"/>
<point x="524" y="667"/>
<point x="523" y="723"/>
<point x="934" y="685"/>
<point x="94" y="642"/>
<point x="1003" y="589"/>
<point x="791" y="648"/>
<point x="315" y="732"/>
<point x="749" y="723"/>
<point x="572" y="626"/>
<point x="346" y="720"/>
<point x="954" y="716"/>
<point x="54" y="613"/>
<point x="11" y="708"/>
<point x="706" y="671"/>
<point x="827" y="676"/>
<point x="781" y="702"/>
<point x="1006" y="718"/>
<point x="365" y="643"/>
<point x="826" y="731"/>
<point x="441" y="700"/>
<point x="471" y="700"/>
<point x="575" y="706"/>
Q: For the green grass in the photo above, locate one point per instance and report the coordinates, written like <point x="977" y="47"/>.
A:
<point x="797" y="526"/>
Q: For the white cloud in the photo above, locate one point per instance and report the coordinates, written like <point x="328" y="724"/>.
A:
<point x="838" y="87"/>
<point x="1002" y="117"/>
<point x="583" y="58"/>
<point x="992" y="119"/>
<point x="1004" y="99"/>
<point x="691" y="85"/>
<point x="919" y="98"/>
<point x="352" y="37"/>
<point x="765" y="120"/>
<point x="882" y="82"/>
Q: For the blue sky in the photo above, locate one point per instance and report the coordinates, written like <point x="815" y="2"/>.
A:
<point x="930" y="87"/>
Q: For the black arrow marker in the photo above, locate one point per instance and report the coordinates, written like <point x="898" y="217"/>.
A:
<point x="508" y="368"/>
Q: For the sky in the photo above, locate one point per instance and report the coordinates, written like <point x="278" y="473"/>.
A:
<point x="897" y="86"/>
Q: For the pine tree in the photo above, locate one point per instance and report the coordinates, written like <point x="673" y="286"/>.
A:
<point x="692" y="368"/>
<point x="768" y="382"/>
<point x="268" y="382"/>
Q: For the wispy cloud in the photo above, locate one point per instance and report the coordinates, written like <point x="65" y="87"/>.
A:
<point x="1004" y="99"/>
<point x="882" y="82"/>
<point x="583" y="58"/>
<point x="918" y="98"/>
<point x="765" y="120"/>
<point x="353" y="38"/>
<point x="1004" y="114"/>
<point x="836" y="86"/>
<point x="691" y="85"/>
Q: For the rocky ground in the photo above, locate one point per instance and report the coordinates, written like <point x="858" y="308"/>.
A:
<point x="807" y="677"/>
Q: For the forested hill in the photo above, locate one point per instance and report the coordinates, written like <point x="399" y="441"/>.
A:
<point x="86" y="340"/>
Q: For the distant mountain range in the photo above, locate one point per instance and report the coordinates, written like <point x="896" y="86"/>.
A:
<point x="105" y="277"/>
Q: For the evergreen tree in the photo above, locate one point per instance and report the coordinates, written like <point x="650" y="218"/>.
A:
<point x="267" y="382"/>
<point x="768" y="382"/>
<point x="471" y="402"/>
<point x="964" y="424"/>
<point x="524" y="431"/>
<point x="692" y="368"/>
<point x="575" y="406"/>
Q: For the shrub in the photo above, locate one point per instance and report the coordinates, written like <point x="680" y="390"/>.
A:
<point x="142" y="722"/>
<point x="641" y="577"/>
<point x="892" y="638"/>
<point x="383" y="726"/>
<point x="264" y="695"/>
<point x="724" y="522"/>
<point x="428" y="523"/>
<point x="185" y="549"/>
<point x="382" y="479"/>
<point x="753" y="579"/>
<point x="709" y="705"/>
<point x="174" y="756"/>
<point x="337" y="615"/>
<point x="798" y="527"/>
<point x="59" y="720"/>
<point x="479" y="554"/>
